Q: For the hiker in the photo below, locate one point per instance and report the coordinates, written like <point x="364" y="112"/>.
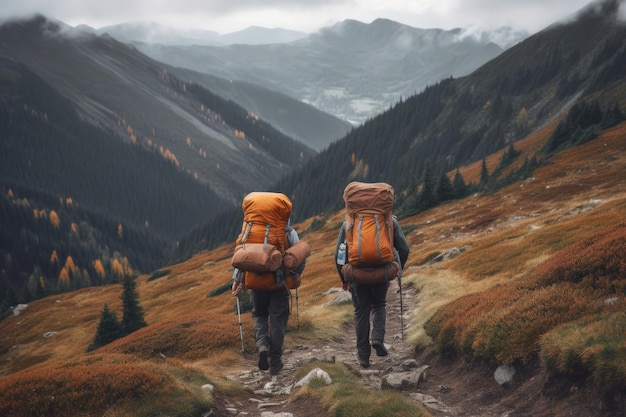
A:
<point x="368" y="282"/>
<point x="266" y="224"/>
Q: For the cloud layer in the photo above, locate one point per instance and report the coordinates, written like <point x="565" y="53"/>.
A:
<point x="226" y="16"/>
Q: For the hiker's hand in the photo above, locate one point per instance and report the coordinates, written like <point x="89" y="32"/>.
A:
<point x="345" y="286"/>
<point x="236" y="288"/>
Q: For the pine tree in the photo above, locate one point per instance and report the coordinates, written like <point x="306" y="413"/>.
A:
<point x="460" y="188"/>
<point x="428" y="196"/>
<point x="109" y="329"/>
<point x="484" y="174"/>
<point x="445" y="190"/>
<point x="132" y="318"/>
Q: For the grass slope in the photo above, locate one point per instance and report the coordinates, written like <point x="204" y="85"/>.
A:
<point x="506" y="239"/>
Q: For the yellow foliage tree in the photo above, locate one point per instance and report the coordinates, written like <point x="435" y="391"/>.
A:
<point x="117" y="268"/>
<point x="99" y="268"/>
<point x="126" y="266"/>
<point x="120" y="231"/>
<point x="54" y="219"/>
<point x="54" y="258"/>
<point x="64" y="276"/>
<point x="69" y="263"/>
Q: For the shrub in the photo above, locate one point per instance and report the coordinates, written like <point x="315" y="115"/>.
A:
<point x="158" y="274"/>
<point x="505" y="324"/>
<point x="190" y="337"/>
<point x="74" y="390"/>
<point x="220" y="290"/>
<point x="594" y="346"/>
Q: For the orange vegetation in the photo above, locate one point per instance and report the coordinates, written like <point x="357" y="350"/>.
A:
<point x="505" y="324"/>
<point x="538" y="260"/>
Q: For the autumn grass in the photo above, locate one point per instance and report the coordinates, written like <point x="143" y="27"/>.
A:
<point x="506" y="323"/>
<point x="593" y="347"/>
<point x="190" y="337"/>
<point x="347" y="397"/>
<point x="97" y="383"/>
<point x="538" y="262"/>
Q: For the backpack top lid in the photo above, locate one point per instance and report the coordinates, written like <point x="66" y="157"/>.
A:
<point x="373" y="198"/>
<point x="266" y="208"/>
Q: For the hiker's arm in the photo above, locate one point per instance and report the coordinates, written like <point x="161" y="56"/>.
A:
<point x="340" y="239"/>
<point x="400" y="243"/>
<point x="237" y="282"/>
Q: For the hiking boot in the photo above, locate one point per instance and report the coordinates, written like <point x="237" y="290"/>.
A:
<point x="380" y="348"/>
<point x="275" y="369"/>
<point x="365" y="363"/>
<point x="263" y="363"/>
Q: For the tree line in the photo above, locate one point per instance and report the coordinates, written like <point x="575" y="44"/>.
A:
<point x="416" y="190"/>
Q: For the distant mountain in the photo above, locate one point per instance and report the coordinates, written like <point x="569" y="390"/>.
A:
<point x="106" y="155"/>
<point x="292" y="117"/>
<point x="151" y="32"/>
<point x="298" y="120"/>
<point x="256" y="35"/>
<point x="352" y="69"/>
<point x="114" y="86"/>
<point x="577" y="65"/>
<point x="571" y="73"/>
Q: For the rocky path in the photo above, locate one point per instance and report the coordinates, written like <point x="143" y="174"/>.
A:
<point x="399" y="370"/>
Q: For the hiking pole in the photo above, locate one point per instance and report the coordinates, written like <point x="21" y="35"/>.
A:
<point x="297" y="310"/>
<point x="240" y="325"/>
<point x="401" y="308"/>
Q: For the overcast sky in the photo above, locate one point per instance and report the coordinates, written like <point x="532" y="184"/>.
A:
<point x="225" y="16"/>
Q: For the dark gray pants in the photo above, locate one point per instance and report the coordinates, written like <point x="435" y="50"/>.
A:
<point x="369" y="300"/>
<point x="270" y="312"/>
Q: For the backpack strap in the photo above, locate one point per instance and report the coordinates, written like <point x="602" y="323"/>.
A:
<point x="267" y="235"/>
<point x="246" y="231"/>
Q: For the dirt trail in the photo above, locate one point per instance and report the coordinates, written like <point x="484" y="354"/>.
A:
<point x="449" y="388"/>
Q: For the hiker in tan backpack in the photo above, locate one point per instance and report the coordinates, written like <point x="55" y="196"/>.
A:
<point x="269" y="259"/>
<point x="371" y="251"/>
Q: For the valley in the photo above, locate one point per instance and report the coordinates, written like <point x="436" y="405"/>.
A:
<point x="119" y="171"/>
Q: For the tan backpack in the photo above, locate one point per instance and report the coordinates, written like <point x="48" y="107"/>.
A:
<point x="369" y="232"/>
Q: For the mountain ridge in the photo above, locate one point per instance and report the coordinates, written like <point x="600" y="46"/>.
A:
<point x="152" y="32"/>
<point x="351" y="69"/>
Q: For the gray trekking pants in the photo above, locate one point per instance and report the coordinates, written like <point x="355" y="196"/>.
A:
<point x="270" y="312"/>
<point x="369" y="300"/>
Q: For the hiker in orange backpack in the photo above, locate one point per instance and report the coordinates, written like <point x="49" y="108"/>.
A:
<point x="371" y="251"/>
<point x="269" y="259"/>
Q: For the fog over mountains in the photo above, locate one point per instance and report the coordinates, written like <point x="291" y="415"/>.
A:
<point x="352" y="69"/>
<point x="151" y="32"/>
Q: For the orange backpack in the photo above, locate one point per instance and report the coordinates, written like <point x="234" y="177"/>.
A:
<point x="369" y="232"/>
<point x="263" y="233"/>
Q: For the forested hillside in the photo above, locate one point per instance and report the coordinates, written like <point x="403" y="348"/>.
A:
<point x="76" y="199"/>
<point x="106" y="158"/>
<point x="572" y="71"/>
<point x="114" y="87"/>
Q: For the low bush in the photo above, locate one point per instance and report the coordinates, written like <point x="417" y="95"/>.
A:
<point x="506" y="323"/>
<point x="158" y="274"/>
<point x="95" y="386"/>
<point x="190" y="337"/>
<point x="49" y="391"/>
<point x="592" y="347"/>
